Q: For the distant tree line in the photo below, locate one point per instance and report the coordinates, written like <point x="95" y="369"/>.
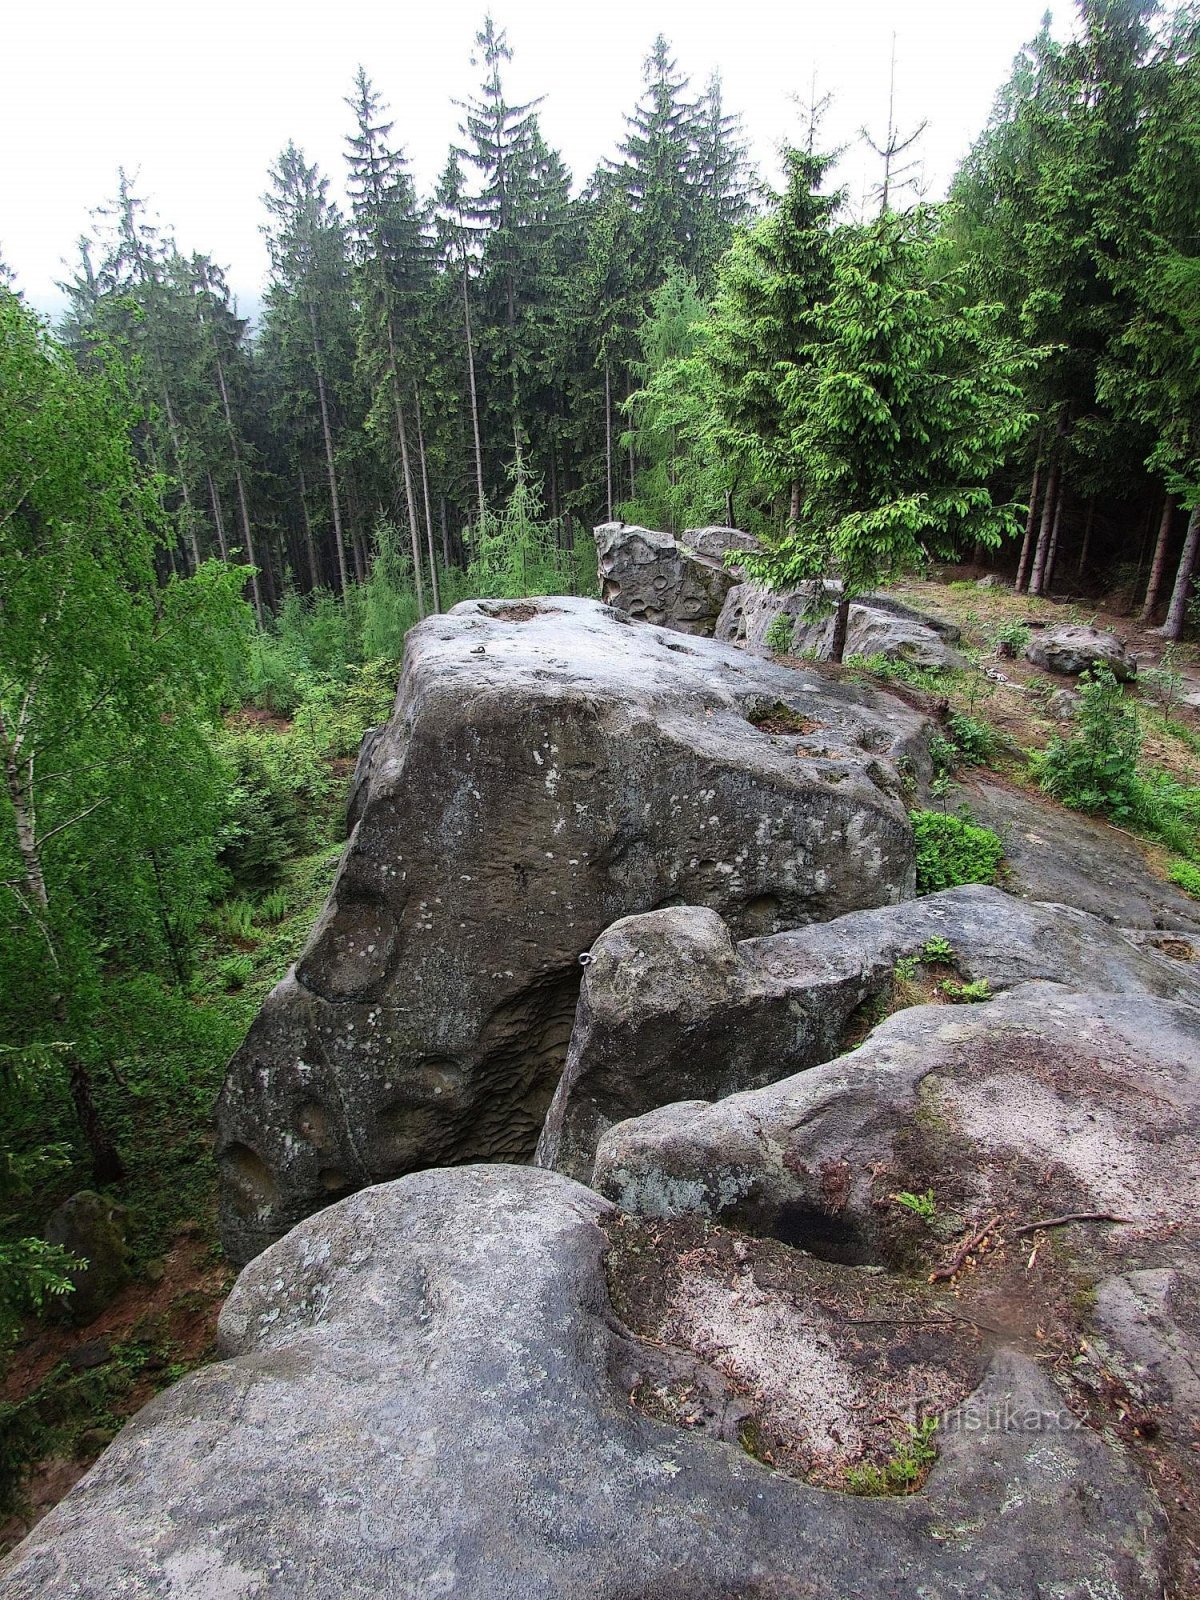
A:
<point x="676" y="344"/>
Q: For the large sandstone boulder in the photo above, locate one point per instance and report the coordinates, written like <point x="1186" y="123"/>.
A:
<point x="1039" y="1102"/>
<point x="1071" y="650"/>
<point x="877" y="625"/>
<point x="652" y="577"/>
<point x="672" y="1009"/>
<point x="427" y="1392"/>
<point x="549" y="768"/>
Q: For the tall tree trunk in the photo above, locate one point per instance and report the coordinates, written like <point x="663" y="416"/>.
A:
<point x="1030" y="521"/>
<point x="794" y="506"/>
<point x="106" y="1163"/>
<point x="410" y="499"/>
<point x="314" y="571"/>
<point x="434" y="586"/>
<point x="608" y="455"/>
<point x="445" y="532"/>
<point x="1049" y="508"/>
<point x="729" y="522"/>
<point x="1052" y="553"/>
<point x="1172" y="628"/>
<point x="632" y="469"/>
<point x="218" y="518"/>
<point x="1159" y="564"/>
<point x="177" y="451"/>
<point x="471" y="383"/>
<point x="335" y="502"/>
<point x="235" y="454"/>
<point x="1085" y="547"/>
<point x="841" y="622"/>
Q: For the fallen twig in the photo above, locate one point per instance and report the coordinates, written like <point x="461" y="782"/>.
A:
<point x="964" y="1250"/>
<point x="1071" y="1216"/>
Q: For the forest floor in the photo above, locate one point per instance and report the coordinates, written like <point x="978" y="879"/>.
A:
<point x="68" y="1389"/>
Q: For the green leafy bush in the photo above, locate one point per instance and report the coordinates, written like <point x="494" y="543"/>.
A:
<point x="1096" y="769"/>
<point x="233" y="971"/>
<point x="952" y="850"/>
<point x="905" y="1470"/>
<point x="1187" y="875"/>
<point x="780" y="634"/>
<point x="974" y="740"/>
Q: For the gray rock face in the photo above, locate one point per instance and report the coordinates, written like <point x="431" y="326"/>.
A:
<point x="91" y="1227"/>
<point x="1070" y="859"/>
<point x="1042" y="1101"/>
<point x="427" y="1394"/>
<point x="548" y="769"/>
<point x="877" y="626"/>
<point x="671" y="1009"/>
<point x="1072" y="650"/>
<point x="652" y="578"/>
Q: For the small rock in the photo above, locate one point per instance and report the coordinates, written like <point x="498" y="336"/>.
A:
<point x="91" y="1227"/>
<point x="155" y="1271"/>
<point x="1063" y="705"/>
<point x="1070" y="650"/>
<point x="93" y="1353"/>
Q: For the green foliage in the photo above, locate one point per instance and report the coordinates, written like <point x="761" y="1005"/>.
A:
<point x="951" y="850"/>
<point x="30" y="1269"/>
<point x="905" y="1470"/>
<point x="967" y="993"/>
<point x="273" y="906"/>
<point x="905" y="970"/>
<point x="1187" y="875"/>
<point x="516" y="552"/>
<point x="233" y="971"/>
<point x="277" y="797"/>
<point x="921" y="1205"/>
<point x="974" y="741"/>
<point x="780" y="634"/>
<point x="937" y="950"/>
<point x="1014" y="636"/>
<point x="906" y="402"/>
<point x="1096" y="769"/>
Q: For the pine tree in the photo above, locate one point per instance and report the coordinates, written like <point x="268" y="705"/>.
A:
<point x="392" y="257"/>
<point x="907" y="403"/>
<point x="308" y="303"/>
<point x="764" y="322"/>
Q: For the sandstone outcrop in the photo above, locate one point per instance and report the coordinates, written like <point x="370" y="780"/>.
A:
<point x="1042" y="1100"/>
<point x="876" y="626"/>
<point x="672" y="1009"/>
<point x="1071" y="650"/>
<point x="548" y="769"/>
<point x="652" y="577"/>
<point x="428" y="1392"/>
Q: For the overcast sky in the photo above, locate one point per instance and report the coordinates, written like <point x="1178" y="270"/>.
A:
<point x="198" y="99"/>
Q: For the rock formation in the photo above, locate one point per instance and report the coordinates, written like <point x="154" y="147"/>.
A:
<point x="1072" y="650"/>
<point x="877" y="625"/>
<point x="548" y="769"/>
<point x="672" y="1009"/>
<point x="427" y="1392"/>
<point x="652" y="577"/>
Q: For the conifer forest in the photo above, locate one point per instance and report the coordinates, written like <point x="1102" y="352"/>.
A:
<point x="215" y="533"/>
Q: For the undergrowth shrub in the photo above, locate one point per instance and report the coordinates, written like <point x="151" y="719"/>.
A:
<point x="780" y="634"/>
<point x="1187" y="875"/>
<point x="1096" y="769"/>
<point x="953" y="850"/>
<point x="278" y="795"/>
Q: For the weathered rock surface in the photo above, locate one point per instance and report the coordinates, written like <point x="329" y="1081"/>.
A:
<point x="548" y="768"/>
<point x="653" y="578"/>
<point x="1042" y="1101"/>
<point x="427" y="1394"/>
<point x="877" y="626"/>
<point x="1072" y="650"/>
<point x="1065" y="857"/>
<point x="672" y="1009"/>
<point x="92" y="1227"/>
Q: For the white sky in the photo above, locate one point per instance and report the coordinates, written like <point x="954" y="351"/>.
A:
<point x="198" y="99"/>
